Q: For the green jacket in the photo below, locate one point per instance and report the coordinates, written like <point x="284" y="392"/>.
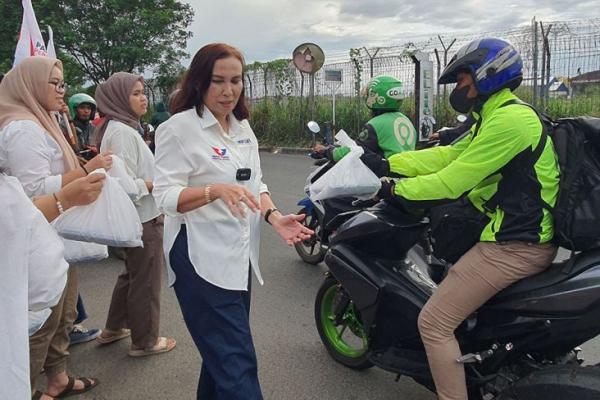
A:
<point x="493" y="165"/>
<point x="385" y="134"/>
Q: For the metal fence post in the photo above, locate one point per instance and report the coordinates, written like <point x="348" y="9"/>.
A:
<point x="535" y="62"/>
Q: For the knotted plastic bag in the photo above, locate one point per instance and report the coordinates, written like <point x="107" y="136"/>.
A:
<point x="111" y="220"/>
<point x="119" y="171"/>
<point x="79" y="252"/>
<point x="349" y="177"/>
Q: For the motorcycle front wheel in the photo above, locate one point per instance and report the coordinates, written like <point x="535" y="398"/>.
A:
<point x="311" y="251"/>
<point x="343" y="335"/>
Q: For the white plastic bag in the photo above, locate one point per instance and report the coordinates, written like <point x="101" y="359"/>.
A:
<point x="111" y="220"/>
<point x="349" y="177"/>
<point x="119" y="171"/>
<point x="78" y="252"/>
<point x="343" y="139"/>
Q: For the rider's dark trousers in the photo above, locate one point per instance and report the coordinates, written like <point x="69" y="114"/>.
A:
<point x="218" y="320"/>
<point x="482" y="272"/>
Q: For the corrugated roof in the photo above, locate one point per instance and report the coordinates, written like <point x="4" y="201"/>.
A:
<point x="593" y="76"/>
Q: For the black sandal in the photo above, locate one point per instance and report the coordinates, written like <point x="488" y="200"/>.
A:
<point x="69" y="391"/>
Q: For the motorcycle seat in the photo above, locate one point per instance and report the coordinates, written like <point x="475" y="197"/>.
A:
<point x="554" y="274"/>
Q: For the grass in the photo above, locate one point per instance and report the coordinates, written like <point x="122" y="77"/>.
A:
<point x="281" y="121"/>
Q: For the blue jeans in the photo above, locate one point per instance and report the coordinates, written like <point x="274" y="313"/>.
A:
<point x="81" y="314"/>
<point x="218" y="320"/>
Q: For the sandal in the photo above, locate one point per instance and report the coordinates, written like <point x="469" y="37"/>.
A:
<point x="107" y="336"/>
<point x="162" y="345"/>
<point x="69" y="391"/>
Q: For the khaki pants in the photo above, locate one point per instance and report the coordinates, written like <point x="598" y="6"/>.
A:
<point x="48" y="347"/>
<point x="135" y="301"/>
<point x="482" y="272"/>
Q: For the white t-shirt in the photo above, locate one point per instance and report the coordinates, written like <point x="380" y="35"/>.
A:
<point x="34" y="274"/>
<point x="125" y="142"/>
<point x="194" y="152"/>
<point x="30" y="154"/>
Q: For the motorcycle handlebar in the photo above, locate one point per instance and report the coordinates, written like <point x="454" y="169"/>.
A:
<point x="316" y="155"/>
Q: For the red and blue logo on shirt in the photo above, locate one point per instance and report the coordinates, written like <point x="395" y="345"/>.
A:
<point x="220" y="153"/>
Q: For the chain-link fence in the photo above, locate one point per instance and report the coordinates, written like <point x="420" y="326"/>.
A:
<point x="561" y="67"/>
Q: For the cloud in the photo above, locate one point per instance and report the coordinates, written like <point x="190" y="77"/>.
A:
<point x="265" y="30"/>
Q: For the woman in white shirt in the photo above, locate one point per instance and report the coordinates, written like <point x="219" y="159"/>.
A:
<point x="135" y="305"/>
<point x="34" y="150"/>
<point x="207" y="182"/>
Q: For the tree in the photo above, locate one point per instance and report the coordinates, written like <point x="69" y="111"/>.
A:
<point x="12" y="13"/>
<point x="104" y="37"/>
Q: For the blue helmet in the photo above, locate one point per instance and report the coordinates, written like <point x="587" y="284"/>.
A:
<point x="493" y="63"/>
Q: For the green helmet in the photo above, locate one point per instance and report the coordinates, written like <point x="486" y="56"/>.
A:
<point x="384" y="93"/>
<point x="80" y="98"/>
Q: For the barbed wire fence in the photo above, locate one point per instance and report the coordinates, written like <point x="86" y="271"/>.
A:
<point x="561" y="68"/>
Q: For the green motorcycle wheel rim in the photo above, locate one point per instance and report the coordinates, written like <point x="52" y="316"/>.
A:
<point x="335" y="333"/>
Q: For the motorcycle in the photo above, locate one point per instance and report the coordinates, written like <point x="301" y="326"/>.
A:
<point x="522" y="344"/>
<point x="321" y="213"/>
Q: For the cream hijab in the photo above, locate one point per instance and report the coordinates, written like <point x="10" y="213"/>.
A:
<point x="23" y="94"/>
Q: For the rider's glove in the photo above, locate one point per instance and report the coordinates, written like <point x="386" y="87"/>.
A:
<point x="379" y="165"/>
<point x="387" y="189"/>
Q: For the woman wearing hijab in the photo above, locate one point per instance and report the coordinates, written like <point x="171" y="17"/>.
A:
<point x="135" y="304"/>
<point x="34" y="150"/>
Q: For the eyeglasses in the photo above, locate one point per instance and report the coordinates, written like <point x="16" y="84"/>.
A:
<point x="59" y="86"/>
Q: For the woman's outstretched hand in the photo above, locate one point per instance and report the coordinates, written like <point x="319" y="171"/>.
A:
<point x="290" y="228"/>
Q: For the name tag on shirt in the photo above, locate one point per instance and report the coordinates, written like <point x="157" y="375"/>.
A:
<point x="244" y="142"/>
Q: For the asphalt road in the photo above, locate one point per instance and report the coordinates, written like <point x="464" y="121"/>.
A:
<point x="293" y="364"/>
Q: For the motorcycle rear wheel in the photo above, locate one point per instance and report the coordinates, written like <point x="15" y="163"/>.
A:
<point x="346" y="342"/>
<point x="557" y="383"/>
<point x="311" y="251"/>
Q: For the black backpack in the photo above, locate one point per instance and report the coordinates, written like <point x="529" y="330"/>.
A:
<point x="577" y="209"/>
<point x="576" y="212"/>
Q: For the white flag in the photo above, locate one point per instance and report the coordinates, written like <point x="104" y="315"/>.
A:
<point x="51" y="50"/>
<point x="30" y="41"/>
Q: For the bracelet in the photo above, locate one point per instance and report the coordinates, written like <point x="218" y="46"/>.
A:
<point x="85" y="170"/>
<point x="268" y="214"/>
<point x="207" y="194"/>
<point x="59" y="205"/>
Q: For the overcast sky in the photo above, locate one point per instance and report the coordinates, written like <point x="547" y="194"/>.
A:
<point x="269" y="29"/>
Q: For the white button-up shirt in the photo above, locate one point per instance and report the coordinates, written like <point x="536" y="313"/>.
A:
<point x="126" y="142"/>
<point x="30" y="154"/>
<point x="194" y="152"/>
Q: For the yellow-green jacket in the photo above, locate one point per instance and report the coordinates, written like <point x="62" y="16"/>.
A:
<point x="496" y="167"/>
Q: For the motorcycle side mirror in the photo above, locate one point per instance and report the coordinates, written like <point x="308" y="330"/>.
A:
<point x="461" y="118"/>
<point x="313" y="127"/>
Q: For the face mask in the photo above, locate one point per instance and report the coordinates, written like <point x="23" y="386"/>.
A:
<point x="459" y="100"/>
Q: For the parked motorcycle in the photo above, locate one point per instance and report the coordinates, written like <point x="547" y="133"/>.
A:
<point x="522" y="344"/>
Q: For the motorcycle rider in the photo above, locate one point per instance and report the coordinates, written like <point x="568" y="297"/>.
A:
<point x="506" y="166"/>
<point x="83" y="110"/>
<point x="388" y="131"/>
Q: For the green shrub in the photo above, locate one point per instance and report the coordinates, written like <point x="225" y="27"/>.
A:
<point x="281" y="121"/>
